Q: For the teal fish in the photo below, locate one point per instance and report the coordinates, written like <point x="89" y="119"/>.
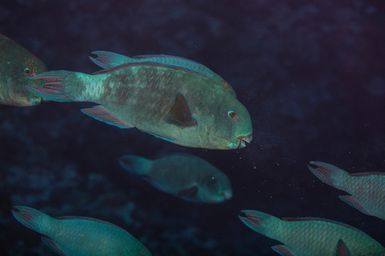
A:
<point x="185" y="176"/>
<point x="312" y="236"/>
<point x="367" y="190"/>
<point x="80" y="236"/>
<point x="170" y="102"/>
<point x="16" y="66"/>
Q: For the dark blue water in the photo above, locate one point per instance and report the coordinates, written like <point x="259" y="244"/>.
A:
<point x="311" y="73"/>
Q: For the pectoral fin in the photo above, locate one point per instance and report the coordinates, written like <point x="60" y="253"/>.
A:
<point x="106" y="59"/>
<point x="189" y="193"/>
<point x="282" y="250"/>
<point x="342" y="250"/>
<point x="102" y="114"/>
<point x="180" y="114"/>
<point x="350" y="200"/>
<point x="53" y="245"/>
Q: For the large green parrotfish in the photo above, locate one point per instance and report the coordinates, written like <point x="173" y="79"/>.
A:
<point x="80" y="236"/>
<point x="17" y="65"/>
<point x="312" y="236"/>
<point x="172" y="102"/>
<point x="185" y="176"/>
<point x="366" y="190"/>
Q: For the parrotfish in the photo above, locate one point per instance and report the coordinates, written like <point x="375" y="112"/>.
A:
<point x="312" y="236"/>
<point x="80" y="236"/>
<point x="16" y="66"/>
<point x="367" y="190"/>
<point x="178" y="103"/>
<point x="185" y="176"/>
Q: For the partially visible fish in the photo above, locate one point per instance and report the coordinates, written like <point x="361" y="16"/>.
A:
<point x="367" y="190"/>
<point x="75" y="236"/>
<point x="185" y="176"/>
<point x="17" y="65"/>
<point x="312" y="236"/>
<point x="173" y="103"/>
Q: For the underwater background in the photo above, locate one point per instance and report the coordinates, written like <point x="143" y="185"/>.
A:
<point x="311" y="74"/>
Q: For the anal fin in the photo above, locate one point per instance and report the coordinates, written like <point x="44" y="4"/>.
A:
<point x="102" y="114"/>
<point x="282" y="250"/>
<point x="53" y="245"/>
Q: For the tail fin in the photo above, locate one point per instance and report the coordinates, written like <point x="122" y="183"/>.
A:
<point x="32" y="219"/>
<point x="135" y="164"/>
<point x="54" y="85"/>
<point x="260" y="222"/>
<point x="329" y="174"/>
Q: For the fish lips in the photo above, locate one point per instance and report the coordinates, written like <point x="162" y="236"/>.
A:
<point x="244" y="140"/>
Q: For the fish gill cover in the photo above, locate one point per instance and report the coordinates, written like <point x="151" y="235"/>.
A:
<point x="311" y="75"/>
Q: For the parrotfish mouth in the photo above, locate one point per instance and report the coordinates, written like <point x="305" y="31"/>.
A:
<point x="243" y="140"/>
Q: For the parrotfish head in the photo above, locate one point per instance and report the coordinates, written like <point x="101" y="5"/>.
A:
<point x="214" y="188"/>
<point x="233" y="127"/>
<point x="21" y="95"/>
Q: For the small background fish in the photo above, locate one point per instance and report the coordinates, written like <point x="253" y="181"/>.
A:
<point x="186" y="176"/>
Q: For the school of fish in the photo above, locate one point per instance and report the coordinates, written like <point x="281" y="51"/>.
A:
<point x="186" y="103"/>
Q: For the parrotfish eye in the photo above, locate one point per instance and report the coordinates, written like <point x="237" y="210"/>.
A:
<point x="232" y="114"/>
<point x="212" y="180"/>
<point x="28" y="71"/>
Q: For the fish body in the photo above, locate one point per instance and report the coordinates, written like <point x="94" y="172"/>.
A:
<point x="311" y="236"/>
<point x="181" y="106"/>
<point x="80" y="236"/>
<point x="16" y="66"/>
<point x="367" y="190"/>
<point x="185" y="176"/>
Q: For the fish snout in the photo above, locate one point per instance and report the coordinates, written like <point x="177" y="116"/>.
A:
<point x="244" y="139"/>
<point x="226" y="195"/>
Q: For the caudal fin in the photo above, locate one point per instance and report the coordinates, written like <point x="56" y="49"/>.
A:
<point x="31" y="218"/>
<point x="53" y="86"/>
<point x="258" y="221"/>
<point x="135" y="164"/>
<point x="328" y="173"/>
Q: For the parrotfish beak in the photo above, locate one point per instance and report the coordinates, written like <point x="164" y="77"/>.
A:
<point x="243" y="140"/>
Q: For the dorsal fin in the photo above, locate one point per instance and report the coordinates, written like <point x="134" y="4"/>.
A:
<point x="107" y="60"/>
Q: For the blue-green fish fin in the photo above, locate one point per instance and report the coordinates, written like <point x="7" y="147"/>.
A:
<point x="282" y="250"/>
<point x="188" y="193"/>
<point x="107" y="59"/>
<point x="323" y="220"/>
<point x="257" y="220"/>
<point x="342" y="249"/>
<point x="103" y="115"/>
<point x="180" y="114"/>
<point x="31" y="218"/>
<point x="53" y="245"/>
<point x="368" y="173"/>
<point x="135" y="164"/>
<point x="350" y="200"/>
<point x="53" y="87"/>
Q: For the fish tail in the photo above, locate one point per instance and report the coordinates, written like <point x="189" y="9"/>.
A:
<point x="56" y="85"/>
<point x="135" y="164"/>
<point x="260" y="222"/>
<point x="32" y="219"/>
<point x="329" y="174"/>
